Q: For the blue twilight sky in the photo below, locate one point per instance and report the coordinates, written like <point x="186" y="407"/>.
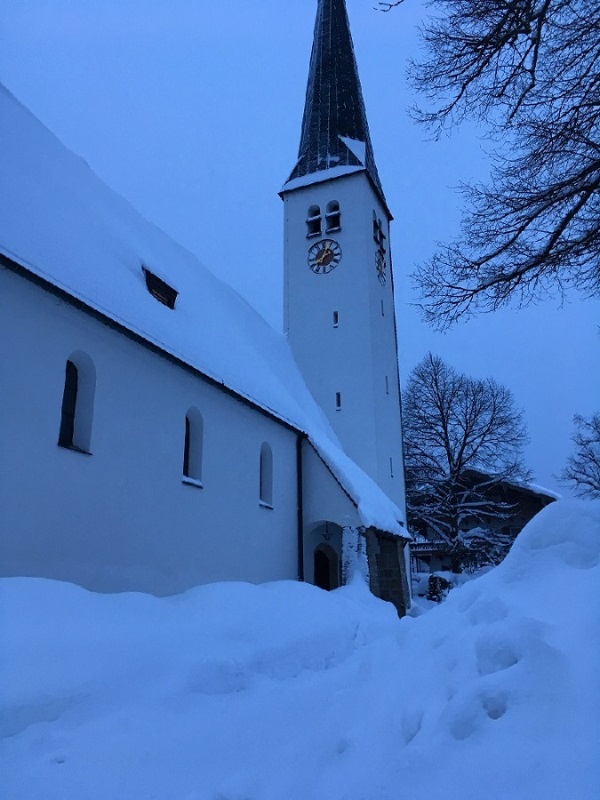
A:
<point x="191" y="109"/>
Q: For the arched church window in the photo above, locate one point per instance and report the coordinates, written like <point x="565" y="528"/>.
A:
<point x="77" y="408"/>
<point x="266" y="475"/>
<point x="193" y="447"/>
<point x="313" y="221"/>
<point x="333" y="216"/>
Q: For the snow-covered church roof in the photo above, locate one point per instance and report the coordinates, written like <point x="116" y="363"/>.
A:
<point x="61" y="223"/>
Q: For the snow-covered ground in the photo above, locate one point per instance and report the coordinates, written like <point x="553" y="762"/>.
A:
<point x="285" y="692"/>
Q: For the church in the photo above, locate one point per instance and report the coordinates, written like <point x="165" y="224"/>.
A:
<point x="155" y="432"/>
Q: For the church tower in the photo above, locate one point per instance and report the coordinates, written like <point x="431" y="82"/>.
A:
<point x="338" y="287"/>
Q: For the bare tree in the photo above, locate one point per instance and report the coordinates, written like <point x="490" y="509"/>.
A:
<point x="530" y="69"/>
<point x="462" y="438"/>
<point x="583" y="467"/>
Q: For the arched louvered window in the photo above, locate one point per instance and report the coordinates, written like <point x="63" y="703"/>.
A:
<point x="266" y="475"/>
<point x="193" y="447"/>
<point x="77" y="408"/>
<point x="313" y="221"/>
<point x="333" y="217"/>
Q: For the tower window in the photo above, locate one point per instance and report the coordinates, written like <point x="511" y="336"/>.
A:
<point x="78" y="403"/>
<point x="313" y="221"/>
<point x="333" y="217"/>
<point x="160" y="290"/>
<point x="378" y="234"/>
<point x="193" y="447"/>
<point x="382" y="309"/>
<point x="338" y="400"/>
<point x="266" y="476"/>
<point x="336" y="319"/>
<point x="387" y="385"/>
<point x="391" y="467"/>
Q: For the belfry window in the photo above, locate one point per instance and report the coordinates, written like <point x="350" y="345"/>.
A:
<point x="266" y="476"/>
<point x="378" y="234"/>
<point x="313" y="221"/>
<point x="338" y="401"/>
<point x="333" y="217"/>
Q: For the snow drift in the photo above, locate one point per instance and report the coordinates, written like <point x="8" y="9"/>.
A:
<point x="279" y="691"/>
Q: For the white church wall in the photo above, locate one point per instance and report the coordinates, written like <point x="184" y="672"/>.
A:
<point x="324" y="502"/>
<point x="122" y="518"/>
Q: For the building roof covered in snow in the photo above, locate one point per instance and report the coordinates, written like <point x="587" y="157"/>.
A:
<point x="335" y="136"/>
<point x="62" y="225"/>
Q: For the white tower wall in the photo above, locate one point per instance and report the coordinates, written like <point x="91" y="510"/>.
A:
<point x="357" y="357"/>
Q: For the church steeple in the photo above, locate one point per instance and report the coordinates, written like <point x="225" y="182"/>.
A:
<point x="335" y="132"/>
<point x="338" y="287"/>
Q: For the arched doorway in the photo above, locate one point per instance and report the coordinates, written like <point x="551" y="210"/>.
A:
<point x="326" y="567"/>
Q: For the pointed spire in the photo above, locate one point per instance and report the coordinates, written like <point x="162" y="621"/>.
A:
<point x="335" y="132"/>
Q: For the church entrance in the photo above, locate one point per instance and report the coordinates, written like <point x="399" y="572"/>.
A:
<point x="327" y="567"/>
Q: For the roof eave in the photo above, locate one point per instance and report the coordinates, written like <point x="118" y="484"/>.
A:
<point x="322" y="177"/>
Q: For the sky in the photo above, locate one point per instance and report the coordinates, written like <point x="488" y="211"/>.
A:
<point x="191" y="109"/>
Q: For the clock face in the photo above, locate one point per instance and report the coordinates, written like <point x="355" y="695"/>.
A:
<point x="380" y="266"/>
<point x="324" y="256"/>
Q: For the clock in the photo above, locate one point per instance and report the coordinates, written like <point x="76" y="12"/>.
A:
<point x="380" y="266"/>
<point x="324" y="256"/>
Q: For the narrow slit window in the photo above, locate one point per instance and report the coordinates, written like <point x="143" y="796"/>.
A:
<point x="77" y="409"/>
<point x="333" y="216"/>
<point x="266" y="475"/>
<point x="391" y="467"/>
<point x="338" y="400"/>
<point x="387" y="385"/>
<point x="193" y="446"/>
<point x="382" y="309"/>
<point x="159" y="289"/>
<point x="69" y="405"/>
<point x="336" y="319"/>
<point x="313" y="221"/>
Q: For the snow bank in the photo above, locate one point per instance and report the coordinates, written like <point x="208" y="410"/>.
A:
<point x="279" y="691"/>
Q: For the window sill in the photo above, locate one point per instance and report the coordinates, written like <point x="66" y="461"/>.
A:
<point x="336" y="229"/>
<point x="192" y="482"/>
<point x="74" y="448"/>
<point x="262" y="504"/>
<point x="313" y="235"/>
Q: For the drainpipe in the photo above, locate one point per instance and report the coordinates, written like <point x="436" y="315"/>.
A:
<point x="299" y="441"/>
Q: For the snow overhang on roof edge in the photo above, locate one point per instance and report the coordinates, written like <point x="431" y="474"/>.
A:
<point x="331" y="174"/>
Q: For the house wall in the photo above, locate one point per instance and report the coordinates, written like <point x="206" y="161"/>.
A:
<point x="121" y="518"/>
